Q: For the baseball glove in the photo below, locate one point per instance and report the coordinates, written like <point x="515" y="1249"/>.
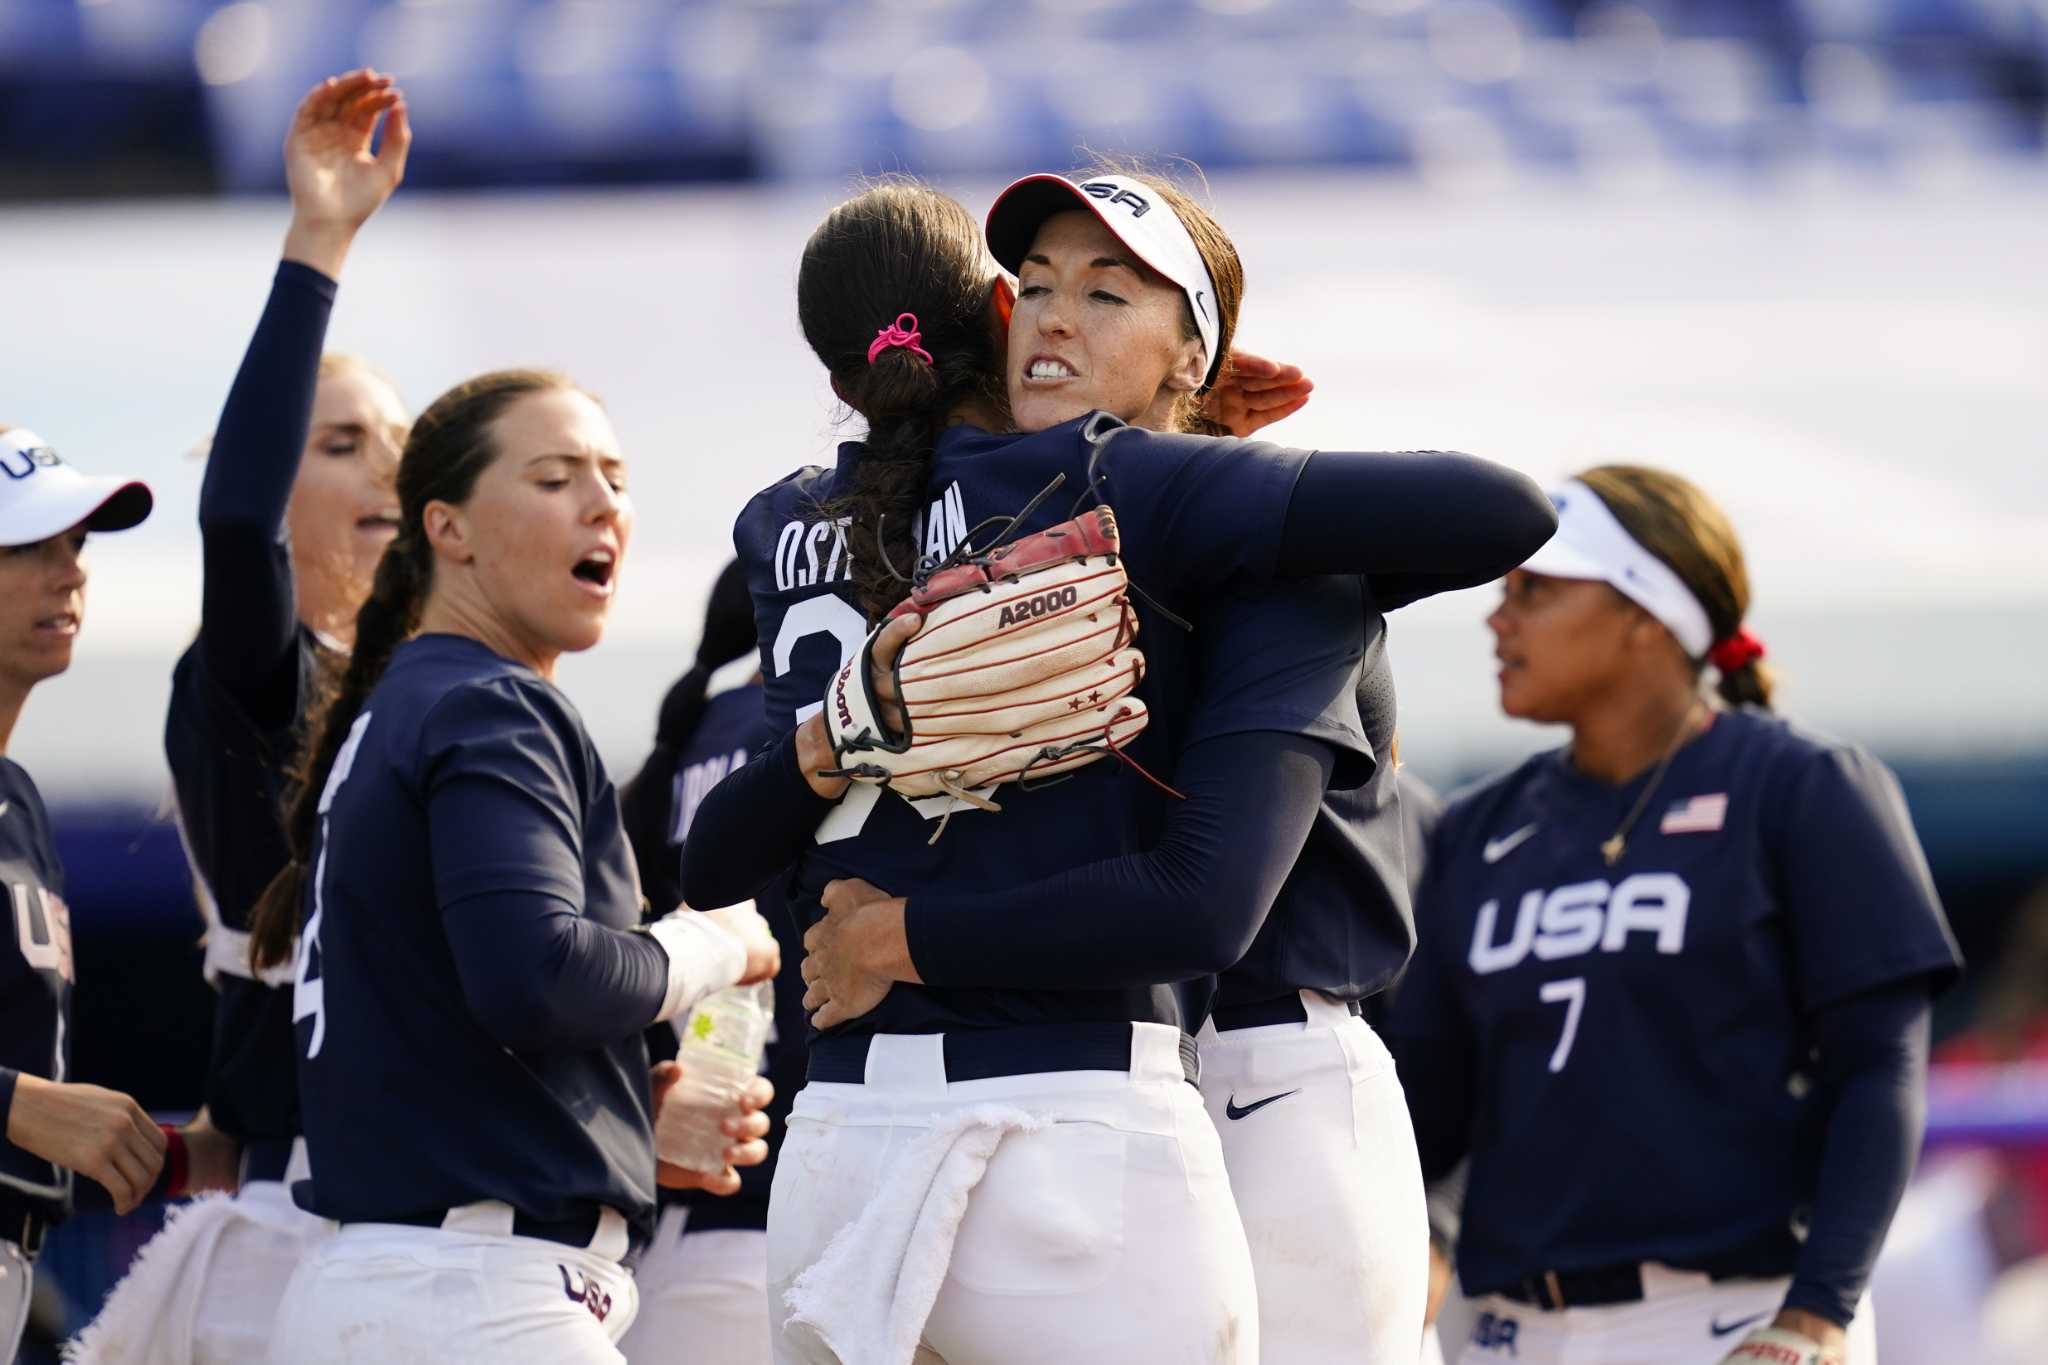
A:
<point x="1023" y="668"/>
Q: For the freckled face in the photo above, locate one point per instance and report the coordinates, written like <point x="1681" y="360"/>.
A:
<point x="1094" y="328"/>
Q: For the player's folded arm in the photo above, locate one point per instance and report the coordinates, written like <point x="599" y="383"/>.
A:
<point x="505" y="830"/>
<point x="1190" y="906"/>
<point x="540" y="977"/>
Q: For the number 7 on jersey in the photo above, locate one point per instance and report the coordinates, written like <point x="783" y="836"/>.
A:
<point x="1571" y="992"/>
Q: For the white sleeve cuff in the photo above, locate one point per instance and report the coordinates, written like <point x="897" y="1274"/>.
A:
<point x="703" y="956"/>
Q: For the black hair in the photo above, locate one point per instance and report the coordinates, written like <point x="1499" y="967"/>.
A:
<point x="896" y="248"/>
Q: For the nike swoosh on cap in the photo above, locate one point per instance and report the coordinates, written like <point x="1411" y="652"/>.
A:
<point x="1736" y="1326"/>
<point x="1496" y="849"/>
<point x="1230" y="1109"/>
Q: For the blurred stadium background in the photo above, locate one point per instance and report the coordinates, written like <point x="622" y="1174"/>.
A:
<point x="1797" y="249"/>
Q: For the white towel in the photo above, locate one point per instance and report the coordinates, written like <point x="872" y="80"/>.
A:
<point x="866" y="1299"/>
<point x="148" y="1319"/>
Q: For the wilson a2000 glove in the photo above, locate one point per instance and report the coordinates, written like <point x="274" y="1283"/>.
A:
<point x="1023" y="668"/>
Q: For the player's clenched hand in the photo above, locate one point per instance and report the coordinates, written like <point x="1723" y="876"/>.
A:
<point x="336" y="181"/>
<point x="764" y="954"/>
<point x="854" y="955"/>
<point x="747" y="1126"/>
<point x="213" y="1158"/>
<point x="98" y="1133"/>
<point x="1253" y="393"/>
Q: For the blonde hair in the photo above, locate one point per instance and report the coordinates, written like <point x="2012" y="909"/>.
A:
<point x="335" y="362"/>
<point x="1674" y="519"/>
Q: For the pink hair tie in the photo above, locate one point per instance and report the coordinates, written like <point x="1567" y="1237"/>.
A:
<point x="1736" y="653"/>
<point x="903" y="332"/>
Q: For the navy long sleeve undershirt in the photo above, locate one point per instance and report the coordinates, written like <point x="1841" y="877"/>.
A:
<point x="1414" y="523"/>
<point x="761" y="818"/>
<point x="537" y="973"/>
<point x="1873" y="1061"/>
<point x="1187" y="907"/>
<point x="248" y="619"/>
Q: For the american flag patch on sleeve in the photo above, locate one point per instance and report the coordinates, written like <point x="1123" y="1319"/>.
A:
<point x="1695" y="815"/>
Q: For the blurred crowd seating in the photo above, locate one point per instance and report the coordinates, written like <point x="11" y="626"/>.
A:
<point x="561" y="91"/>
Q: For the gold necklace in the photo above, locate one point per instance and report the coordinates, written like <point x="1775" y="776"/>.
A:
<point x="1617" y="843"/>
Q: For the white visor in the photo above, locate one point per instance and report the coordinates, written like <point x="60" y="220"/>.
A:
<point x="41" y="496"/>
<point x="1591" y="544"/>
<point x="1130" y="209"/>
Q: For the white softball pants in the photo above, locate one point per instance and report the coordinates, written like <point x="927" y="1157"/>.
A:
<point x="1108" y="1236"/>
<point x="703" y="1297"/>
<point x="250" y="1267"/>
<point x="17" y="1282"/>
<point x="1684" y="1318"/>
<point x="465" y="1293"/>
<point x="1323" y="1164"/>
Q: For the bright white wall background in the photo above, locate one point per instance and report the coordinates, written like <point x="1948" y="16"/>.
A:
<point x="1861" y="375"/>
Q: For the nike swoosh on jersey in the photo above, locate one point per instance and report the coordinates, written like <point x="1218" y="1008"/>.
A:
<point x="1231" y="1111"/>
<point x="1736" y="1326"/>
<point x="1496" y="849"/>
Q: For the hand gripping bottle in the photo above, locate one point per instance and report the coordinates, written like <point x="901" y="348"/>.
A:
<point x="721" y="1048"/>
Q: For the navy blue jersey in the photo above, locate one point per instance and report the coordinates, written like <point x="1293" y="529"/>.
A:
<point x="35" y="980"/>
<point x="1196" y="516"/>
<point x="1342" y="923"/>
<point x="229" y="771"/>
<point x="1628" y="1052"/>
<point x="390" y="1023"/>
<point x="732" y="727"/>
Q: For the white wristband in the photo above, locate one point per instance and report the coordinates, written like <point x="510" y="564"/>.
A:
<point x="703" y="956"/>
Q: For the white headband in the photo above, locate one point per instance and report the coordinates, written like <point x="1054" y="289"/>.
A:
<point x="1136" y="213"/>
<point x="1591" y="544"/>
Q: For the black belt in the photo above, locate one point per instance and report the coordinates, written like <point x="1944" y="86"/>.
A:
<point x="579" y="1231"/>
<point x="983" y="1054"/>
<point x="266" y="1159"/>
<point x="1281" y="1009"/>
<point x="1603" y="1285"/>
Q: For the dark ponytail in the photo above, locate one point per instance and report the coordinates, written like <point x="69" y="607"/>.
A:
<point x="449" y="447"/>
<point x="648" y="801"/>
<point x="898" y="248"/>
<point x="1674" y="519"/>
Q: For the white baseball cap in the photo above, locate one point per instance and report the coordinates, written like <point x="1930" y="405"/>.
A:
<point x="41" y="496"/>
<point x="1134" y="212"/>
<point x="1592" y="544"/>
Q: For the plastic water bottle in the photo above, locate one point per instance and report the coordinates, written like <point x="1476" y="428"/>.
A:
<point x="721" y="1048"/>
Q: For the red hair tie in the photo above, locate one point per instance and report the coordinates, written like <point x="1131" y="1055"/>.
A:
<point x="903" y="332"/>
<point x="1737" y="652"/>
